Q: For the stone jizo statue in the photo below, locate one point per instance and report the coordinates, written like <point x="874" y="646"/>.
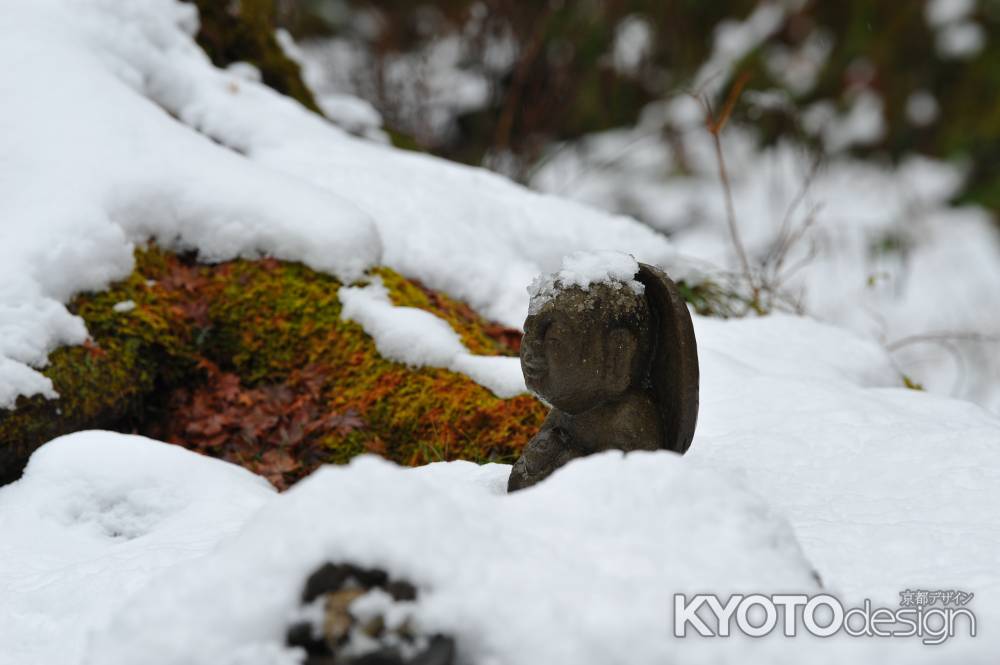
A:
<point x="612" y="351"/>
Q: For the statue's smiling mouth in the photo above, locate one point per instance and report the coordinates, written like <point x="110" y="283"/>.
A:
<point x="533" y="367"/>
<point x="534" y="373"/>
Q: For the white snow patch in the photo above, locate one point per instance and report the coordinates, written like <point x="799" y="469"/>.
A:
<point x="922" y="108"/>
<point x="353" y="115"/>
<point x="958" y="36"/>
<point x="862" y="124"/>
<point x="94" y="517"/>
<point x="942" y="12"/>
<point x="961" y="40"/>
<point x="733" y="39"/>
<point x="124" y="306"/>
<point x="633" y="44"/>
<point x="420" y="339"/>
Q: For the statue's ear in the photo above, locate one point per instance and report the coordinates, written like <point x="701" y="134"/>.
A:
<point x="674" y="372"/>
<point x="619" y="364"/>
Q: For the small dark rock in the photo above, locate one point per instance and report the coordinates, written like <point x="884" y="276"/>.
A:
<point x="301" y="635"/>
<point x="334" y="640"/>
<point x="333" y="577"/>
<point x="401" y="590"/>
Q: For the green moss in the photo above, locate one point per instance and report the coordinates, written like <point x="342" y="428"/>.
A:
<point x="243" y="31"/>
<point x="108" y="379"/>
<point x="709" y="298"/>
<point x="274" y="318"/>
<point x="262" y="320"/>
<point x="403" y="141"/>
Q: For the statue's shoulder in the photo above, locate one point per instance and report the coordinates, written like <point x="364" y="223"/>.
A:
<point x="631" y="423"/>
<point x="639" y="418"/>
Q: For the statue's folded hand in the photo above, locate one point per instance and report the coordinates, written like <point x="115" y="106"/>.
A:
<point x="547" y="451"/>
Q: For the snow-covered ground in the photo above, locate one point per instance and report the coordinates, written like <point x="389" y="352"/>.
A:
<point x="807" y="459"/>
<point x="809" y="456"/>
<point x="94" y="518"/>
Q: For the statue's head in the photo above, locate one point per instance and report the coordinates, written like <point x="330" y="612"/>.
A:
<point x="585" y="345"/>
<point x="605" y="325"/>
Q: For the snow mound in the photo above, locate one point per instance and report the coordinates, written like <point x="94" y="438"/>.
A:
<point x="95" y="515"/>
<point x="885" y="486"/>
<point x="125" y="132"/>
<point x="584" y="269"/>
<point x="544" y="573"/>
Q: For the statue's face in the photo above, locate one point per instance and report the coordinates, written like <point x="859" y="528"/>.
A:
<point x="571" y="360"/>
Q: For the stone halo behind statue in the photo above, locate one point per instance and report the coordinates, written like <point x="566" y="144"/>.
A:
<point x="609" y="345"/>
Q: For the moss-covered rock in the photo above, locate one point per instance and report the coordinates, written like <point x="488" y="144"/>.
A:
<point x="248" y="328"/>
<point x="243" y="31"/>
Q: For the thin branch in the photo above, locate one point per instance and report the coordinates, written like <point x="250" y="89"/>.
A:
<point x="784" y="241"/>
<point x="715" y="124"/>
<point x="734" y="232"/>
<point x="943" y="338"/>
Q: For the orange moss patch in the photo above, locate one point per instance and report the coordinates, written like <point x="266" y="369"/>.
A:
<point x="249" y="361"/>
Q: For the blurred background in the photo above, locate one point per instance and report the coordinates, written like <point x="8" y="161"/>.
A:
<point x="497" y="82"/>
<point x="830" y="158"/>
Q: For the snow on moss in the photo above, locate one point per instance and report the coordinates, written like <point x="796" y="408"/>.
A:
<point x="418" y="338"/>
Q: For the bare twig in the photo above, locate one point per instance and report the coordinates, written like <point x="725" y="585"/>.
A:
<point x="522" y="70"/>
<point x="778" y="276"/>
<point x="943" y="338"/>
<point x="715" y="124"/>
<point x="785" y="236"/>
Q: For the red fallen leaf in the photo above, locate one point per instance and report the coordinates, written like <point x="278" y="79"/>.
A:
<point x="269" y="263"/>
<point x="237" y="423"/>
<point x="277" y="395"/>
<point x="209" y="426"/>
<point x="93" y="349"/>
<point x="291" y="435"/>
<point x="215" y="441"/>
<point x="196" y="311"/>
<point x="202" y="406"/>
<point x="259" y="423"/>
<point x="509" y="337"/>
<point x="344" y="424"/>
<point x="275" y="463"/>
<point x="279" y="459"/>
<point x="301" y="417"/>
<point x="227" y="386"/>
<point x="376" y="445"/>
<point x="183" y="278"/>
<point x="208" y="367"/>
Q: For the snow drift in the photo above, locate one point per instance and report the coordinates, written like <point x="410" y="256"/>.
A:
<point x="121" y="131"/>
